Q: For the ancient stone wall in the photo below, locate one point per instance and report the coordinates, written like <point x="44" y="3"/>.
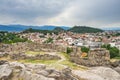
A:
<point x="97" y="57"/>
<point x="23" y="56"/>
<point x="22" y="47"/>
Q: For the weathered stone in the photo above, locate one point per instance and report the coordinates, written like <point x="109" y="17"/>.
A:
<point x="43" y="72"/>
<point x="32" y="47"/>
<point x="16" y="65"/>
<point x="115" y="64"/>
<point x="97" y="57"/>
<point x="5" y="72"/>
<point x="117" y="69"/>
<point x="98" y="73"/>
<point x="3" y="54"/>
<point x="3" y="62"/>
<point x="106" y="73"/>
<point x="36" y="67"/>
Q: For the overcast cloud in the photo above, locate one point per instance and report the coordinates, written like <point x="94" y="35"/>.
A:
<point x="96" y="13"/>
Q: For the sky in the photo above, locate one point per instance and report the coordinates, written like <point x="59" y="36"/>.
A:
<point x="95" y="13"/>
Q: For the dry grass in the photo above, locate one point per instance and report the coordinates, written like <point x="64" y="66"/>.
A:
<point x="47" y="62"/>
<point x="34" y="53"/>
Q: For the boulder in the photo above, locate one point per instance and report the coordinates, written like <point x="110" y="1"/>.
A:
<point x="98" y="73"/>
<point x="3" y="54"/>
<point x="5" y="72"/>
<point x="117" y="69"/>
<point x="16" y="65"/>
<point x="3" y="62"/>
<point x="106" y="73"/>
<point x="115" y="64"/>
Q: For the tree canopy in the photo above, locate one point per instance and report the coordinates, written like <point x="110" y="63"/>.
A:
<point x="114" y="52"/>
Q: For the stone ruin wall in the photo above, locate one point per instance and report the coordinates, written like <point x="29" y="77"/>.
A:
<point x="99" y="56"/>
<point x="96" y="57"/>
<point x="17" y="51"/>
<point x="23" y="47"/>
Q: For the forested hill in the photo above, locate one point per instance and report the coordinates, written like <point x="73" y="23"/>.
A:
<point x="76" y="29"/>
<point x="59" y="29"/>
<point x="84" y="29"/>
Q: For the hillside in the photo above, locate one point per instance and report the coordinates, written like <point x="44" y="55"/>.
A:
<point x="58" y="29"/>
<point x="84" y="29"/>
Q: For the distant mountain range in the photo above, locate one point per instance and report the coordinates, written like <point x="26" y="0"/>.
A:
<point x="18" y="28"/>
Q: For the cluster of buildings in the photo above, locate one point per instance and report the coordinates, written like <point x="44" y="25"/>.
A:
<point x="91" y="40"/>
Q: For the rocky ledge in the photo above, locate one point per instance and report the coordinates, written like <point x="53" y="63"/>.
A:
<point x="20" y="71"/>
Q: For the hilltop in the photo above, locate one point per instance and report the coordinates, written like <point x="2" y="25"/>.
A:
<point x="84" y="29"/>
<point x="59" y="29"/>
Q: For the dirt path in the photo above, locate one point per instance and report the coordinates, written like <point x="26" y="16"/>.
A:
<point x="58" y="63"/>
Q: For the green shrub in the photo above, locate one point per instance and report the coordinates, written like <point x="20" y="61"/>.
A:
<point x="69" y="50"/>
<point x="114" y="52"/>
<point x="85" y="49"/>
<point x="49" y="40"/>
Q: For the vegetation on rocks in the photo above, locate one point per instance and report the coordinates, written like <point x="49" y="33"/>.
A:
<point x="69" y="50"/>
<point x="85" y="49"/>
<point x="114" y="52"/>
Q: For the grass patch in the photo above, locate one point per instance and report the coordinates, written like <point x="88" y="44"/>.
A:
<point x="57" y="64"/>
<point x="70" y="64"/>
<point x="117" y="58"/>
<point x="47" y="62"/>
<point x="73" y="65"/>
<point x="65" y="55"/>
<point x="34" y="53"/>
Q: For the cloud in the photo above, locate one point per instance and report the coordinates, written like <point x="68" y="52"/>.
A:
<point x="97" y="13"/>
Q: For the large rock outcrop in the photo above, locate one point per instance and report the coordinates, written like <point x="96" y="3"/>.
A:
<point x="98" y="73"/>
<point x="19" y="71"/>
<point x="5" y="72"/>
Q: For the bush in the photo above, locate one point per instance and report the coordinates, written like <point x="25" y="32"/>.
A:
<point x="85" y="49"/>
<point x="69" y="50"/>
<point x="114" y="52"/>
<point x="49" y="40"/>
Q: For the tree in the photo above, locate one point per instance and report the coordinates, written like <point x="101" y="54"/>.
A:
<point x="114" y="52"/>
<point x="49" y="40"/>
<point x="107" y="46"/>
<point x="85" y="49"/>
<point x="8" y="38"/>
<point x="69" y="50"/>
